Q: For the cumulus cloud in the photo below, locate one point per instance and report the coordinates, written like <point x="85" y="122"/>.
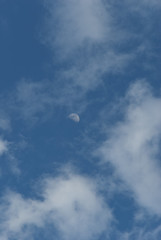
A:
<point x="71" y="205"/>
<point x="132" y="147"/>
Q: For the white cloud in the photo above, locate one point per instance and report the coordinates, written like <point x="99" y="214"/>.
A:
<point x="70" y="204"/>
<point x="133" y="147"/>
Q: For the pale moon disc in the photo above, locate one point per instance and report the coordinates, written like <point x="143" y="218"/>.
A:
<point x="74" y="116"/>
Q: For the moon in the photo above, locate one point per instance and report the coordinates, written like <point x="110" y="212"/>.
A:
<point x="74" y="116"/>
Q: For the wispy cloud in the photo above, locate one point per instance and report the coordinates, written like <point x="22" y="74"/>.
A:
<point x="71" y="205"/>
<point x="142" y="232"/>
<point x="147" y="3"/>
<point x="132" y="147"/>
<point x="84" y="35"/>
<point x="33" y="98"/>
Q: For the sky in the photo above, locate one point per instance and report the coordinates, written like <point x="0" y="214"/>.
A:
<point x="80" y="120"/>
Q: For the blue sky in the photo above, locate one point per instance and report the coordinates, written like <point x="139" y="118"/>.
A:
<point x="93" y="178"/>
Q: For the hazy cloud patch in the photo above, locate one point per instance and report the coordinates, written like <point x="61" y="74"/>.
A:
<point x="3" y="146"/>
<point x="72" y="24"/>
